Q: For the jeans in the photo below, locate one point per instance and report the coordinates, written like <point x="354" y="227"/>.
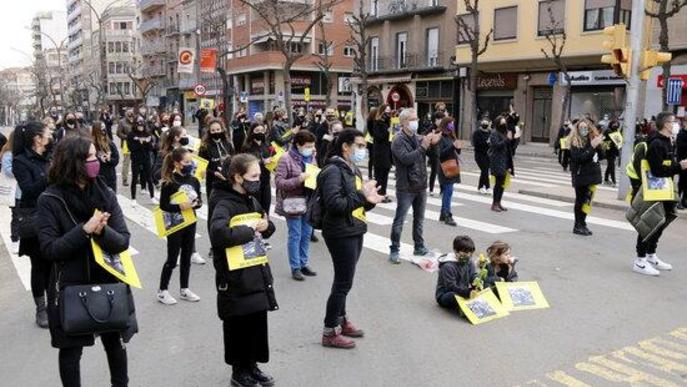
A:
<point x="70" y="358"/>
<point x="126" y="166"/>
<point x="345" y="253"/>
<point x="418" y="200"/>
<point x="298" y="243"/>
<point x="446" y="195"/>
<point x="181" y="241"/>
<point x="499" y="183"/>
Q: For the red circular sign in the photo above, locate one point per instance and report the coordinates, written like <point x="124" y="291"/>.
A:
<point x="199" y="89"/>
<point x="186" y="57"/>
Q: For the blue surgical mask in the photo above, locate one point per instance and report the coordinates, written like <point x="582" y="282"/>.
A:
<point x="413" y="125"/>
<point x="305" y="152"/>
<point x="359" y="155"/>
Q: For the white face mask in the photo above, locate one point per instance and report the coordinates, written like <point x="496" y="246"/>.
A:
<point x="676" y="128"/>
<point x="412" y="125"/>
<point x="176" y="123"/>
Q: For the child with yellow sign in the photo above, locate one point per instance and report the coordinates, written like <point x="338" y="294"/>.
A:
<point x="457" y="275"/>
<point x="177" y="177"/>
<point x="243" y="280"/>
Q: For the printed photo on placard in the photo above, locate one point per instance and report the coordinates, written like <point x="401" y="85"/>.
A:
<point x="482" y="308"/>
<point x="656" y="188"/>
<point x="249" y="254"/>
<point x="120" y="265"/>
<point x="521" y="296"/>
<point x="170" y="222"/>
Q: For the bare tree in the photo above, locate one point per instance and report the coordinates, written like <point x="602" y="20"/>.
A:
<point x="100" y="92"/>
<point x="144" y="83"/>
<point x="469" y="32"/>
<point x="324" y="61"/>
<point x="665" y="9"/>
<point x="360" y="40"/>
<point x="556" y="37"/>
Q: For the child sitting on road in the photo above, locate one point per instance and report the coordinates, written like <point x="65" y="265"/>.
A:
<point x="456" y="273"/>
<point x="501" y="265"/>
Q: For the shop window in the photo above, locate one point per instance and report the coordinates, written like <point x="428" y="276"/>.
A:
<point x="505" y="23"/>
<point x="464" y="37"/>
<point x="551" y="17"/>
<point x="446" y="89"/>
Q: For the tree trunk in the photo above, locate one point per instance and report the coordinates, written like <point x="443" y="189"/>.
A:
<point x="363" y="96"/>
<point x="663" y="40"/>
<point x="328" y="84"/>
<point x="473" y="94"/>
<point x="287" y="89"/>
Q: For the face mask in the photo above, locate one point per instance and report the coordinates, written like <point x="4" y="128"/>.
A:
<point x="359" y="155"/>
<point x="183" y="141"/>
<point x="187" y="169"/>
<point x="217" y="136"/>
<point x="176" y="123"/>
<point x="412" y="125"/>
<point x="140" y="128"/>
<point x="305" y="152"/>
<point x="259" y="136"/>
<point x="463" y="258"/>
<point x="450" y="127"/>
<point x="71" y="122"/>
<point x="485" y="125"/>
<point x="584" y="132"/>
<point x="92" y="168"/>
<point x="676" y="128"/>
<point x="252" y="187"/>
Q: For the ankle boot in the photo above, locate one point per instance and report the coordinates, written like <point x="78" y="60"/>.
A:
<point x="449" y="220"/>
<point x="41" y="312"/>
<point x="495" y="207"/>
<point x="442" y="216"/>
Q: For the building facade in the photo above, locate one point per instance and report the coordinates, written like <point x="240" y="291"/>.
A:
<point x="153" y="49"/>
<point x="19" y="85"/>
<point x="49" y="38"/>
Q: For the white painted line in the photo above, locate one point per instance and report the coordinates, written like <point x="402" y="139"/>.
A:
<point x="517" y="196"/>
<point x="21" y="264"/>
<point x="516" y="180"/>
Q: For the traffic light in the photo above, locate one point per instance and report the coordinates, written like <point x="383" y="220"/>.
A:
<point x="620" y="55"/>
<point x="650" y="59"/>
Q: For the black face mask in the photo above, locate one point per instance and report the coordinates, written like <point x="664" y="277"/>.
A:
<point x="183" y="141"/>
<point x="251" y="187"/>
<point x="259" y="136"/>
<point x="71" y="121"/>
<point x="217" y="136"/>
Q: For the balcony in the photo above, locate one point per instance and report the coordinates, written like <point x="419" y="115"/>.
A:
<point x="119" y="34"/>
<point x="73" y="28"/>
<point x="172" y="30"/>
<point x="148" y="5"/>
<point x="152" y="71"/>
<point x="76" y="42"/>
<point x="411" y="62"/>
<point x="73" y="14"/>
<point x="189" y="28"/>
<point x="151" y="25"/>
<point x="152" y="48"/>
<point x="405" y="9"/>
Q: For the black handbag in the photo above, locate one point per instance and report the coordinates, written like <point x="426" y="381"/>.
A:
<point x="89" y="309"/>
<point x="26" y="225"/>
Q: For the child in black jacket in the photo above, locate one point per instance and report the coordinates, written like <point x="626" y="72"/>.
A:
<point x="456" y="273"/>
<point x="177" y="175"/>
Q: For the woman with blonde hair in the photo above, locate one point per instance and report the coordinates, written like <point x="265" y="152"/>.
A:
<point x="585" y="154"/>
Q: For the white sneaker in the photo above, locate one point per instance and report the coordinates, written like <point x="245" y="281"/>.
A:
<point x="154" y="200"/>
<point x="657" y="263"/>
<point x="197" y="259"/>
<point x="188" y="295"/>
<point x="489" y="192"/>
<point x="642" y="266"/>
<point x="14" y="247"/>
<point x="164" y="297"/>
<point x="483" y="191"/>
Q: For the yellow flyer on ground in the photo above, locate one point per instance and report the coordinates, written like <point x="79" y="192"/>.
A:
<point x="125" y="148"/>
<point x="359" y="212"/>
<point x="278" y="153"/>
<point x="171" y="222"/>
<point x="201" y="167"/>
<point x="521" y="296"/>
<point x="313" y="171"/>
<point x="482" y="308"/>
<point x="656" y="189"/>
<point x="565" y="143"/>
<point x="506" y="184"/>
<point x="617" y="139"/>
<point x="119" y="265"/>
<point x="249" y="254"/>
<point x="587" y="205"/>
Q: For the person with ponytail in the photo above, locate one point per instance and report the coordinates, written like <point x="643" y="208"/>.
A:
<point x="30" y="168"/>
<point x="141" y="144"/>
<point x="177" y="175"/>
<point x="107" y="153"/>
<point x="215" y="148"/>
<point x="500" y="160"/>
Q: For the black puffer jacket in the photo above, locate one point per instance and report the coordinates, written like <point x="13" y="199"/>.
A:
<point x="410" y="161"/>
<point x="31" y="172"/>
<point x="480" y="141"/>
<point x="244" y="291"/>
<point x="583" y="168"/>
<point x="660" y="151"/>
<point x="68" y="247"/>
<point x="455" y="277"/>
<point x="339" y="198"/>
<point x="107" y="168"/>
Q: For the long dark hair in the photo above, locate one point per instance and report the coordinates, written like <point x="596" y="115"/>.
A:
<point x="100" y="139"/>
<point x="380" y="112"/>
<point x="24" y="135"/>
<point x="172" y="157"/>
<point x="346" y="136"/>
<point x="69" y="162"/>
<point x="168" y="142"/>
<point x="207" y="138"/>
<point x="248" y="143"/>
<point x="238" y="165"/>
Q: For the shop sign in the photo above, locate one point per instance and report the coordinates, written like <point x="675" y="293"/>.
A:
<point x="659" y="82"/>
<point x="497" y="81"/>
<point x="592" y="78"/>
<point x="298" y="80"/>
<point x="257" y="86"/>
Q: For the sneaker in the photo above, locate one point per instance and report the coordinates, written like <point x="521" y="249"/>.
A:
<point x="386" y="199"/>
<point x="307" y="272"/>
<point x="243" y="378"/>
<point x="197" y="259"/>
<point x="350" y="330"/>
<point x="421" y="251"/>
<point x="154" y="200"/>
<point x="657" y="263"/>
<point x="642" y="266"/>
<point x="314" y="238"/>
<point x="395" y="257"/>
<point x="125" y="183"/>
<point x="431" y="193"/>
<point x="489" y="191"/>
<point x="482" y="190"/>
<point x="14" y="247"/>
<point x="581" y="230"/>
<point x="164" y="297"/>
<point x="267" y="246"/>
<point x="262" y="378"/>
<point x="297" y="275"/>
<point x="188" y="295"/>
<point x="449" y="221"/>
<point x="336" y="340"/>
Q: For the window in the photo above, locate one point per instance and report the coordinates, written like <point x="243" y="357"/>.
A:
<point x="122" y="26"/>
<point x="348" y="18"/>
<point x="110" y="47"/>
<point x="374" y="7"/>
<point x="111" y="68"/>
<point x="125" y="46"/>
<point x="119" y="68"/>
<point x="127" y="88"/>
<point x="118" y="46"/>
<point x="349" y="51"/>
<point x="505" y="23"/>
<point x="464" y="37"/>
<point x="551" y="17"/>
<point x="113" y="88"/>
<point x="296" y="48"/>
<point x="432" y="45"/>
<point x="598" y="14"/>
<point x="241" y="19"/>
<point x="328" y="16"/>
<point x="401" y="49"/>
<point x="328" y="46"/>
<point x="374" y="53"/>
<point x="433" y="3"/>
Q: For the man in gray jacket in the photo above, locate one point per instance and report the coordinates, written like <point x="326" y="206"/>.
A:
<point x="409" y="155"/>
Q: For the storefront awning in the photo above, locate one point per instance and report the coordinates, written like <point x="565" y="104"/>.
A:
<point x="379" y="81"/>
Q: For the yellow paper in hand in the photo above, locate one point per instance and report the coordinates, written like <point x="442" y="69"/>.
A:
<point x="617" y="138"/>
<point x="119" y="264"/>
<point x="201" y="167"/>
<point x="171" y="222"/>
<point x="521" y="296"/>
<point x="359" y="213"/>
<point x="125" y="148"/>
<point x="587" y="205"/>
<point x="278" y="153"/>
<point x="368" y="138"/>
<point x="313" y="171"/>
<point x="482" y="308"/>
<point x="506" y="183"/>
<point x="565" y="143"/>
<point x="656" y="189"/>
<point x="249" y="254"/>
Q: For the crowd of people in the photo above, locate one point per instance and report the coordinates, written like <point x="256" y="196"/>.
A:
<point x="66" y="199"/>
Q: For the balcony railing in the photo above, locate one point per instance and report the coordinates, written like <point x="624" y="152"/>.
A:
<point x="146" y="5"/>
<point x="74" y="13"/>
<point x="172" y="29"/>
<point x="119" y="33"/>
<point x="74" y="27"/>
<point x="189" y="28"/>
<point x="411" y="62"/>
<point x="151" y="25"/>
<point x="402" y="9"/>
<point x="152" y="71"/>
<point x="152" y="48"/>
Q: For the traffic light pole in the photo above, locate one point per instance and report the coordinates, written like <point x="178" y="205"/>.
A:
<point x="632" y="95"/>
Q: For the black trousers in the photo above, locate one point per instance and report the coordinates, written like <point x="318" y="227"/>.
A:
<point x="182" y="241"/>
<point x="482" y="161"/>
<point x="345" y="253"/>
<point x="382" y="177"/>
<point x="245" y="340"/>
<point x="70" y="359"/>
<point x="448" y="301"/>
<point x="40" y="274"/>
<point x="650" y="245"/>
<point x="582" y="196"/>
<point x="498" y="188"/>
<point x="14" y="225"/>
<point x="265" y="195"/>
<point x="433" y="165"/>
<point x="143" y="171"/>
<point x="609" y="175"/>
<point x="682" y="187"/>
<point x="370" y="159"/>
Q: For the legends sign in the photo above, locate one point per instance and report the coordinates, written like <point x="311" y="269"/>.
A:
<point x="497" y="81"/>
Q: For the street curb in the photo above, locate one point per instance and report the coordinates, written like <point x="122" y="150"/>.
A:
<point x="613" y="206"/>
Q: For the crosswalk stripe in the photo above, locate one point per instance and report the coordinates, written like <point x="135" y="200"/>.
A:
<point x="21" y="264"/>
<point x="516" y="180"/>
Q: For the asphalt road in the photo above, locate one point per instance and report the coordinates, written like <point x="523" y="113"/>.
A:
<point x="598" y="307"/>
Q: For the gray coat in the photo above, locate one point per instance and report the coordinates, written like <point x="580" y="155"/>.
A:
<point x="410" y="160"/>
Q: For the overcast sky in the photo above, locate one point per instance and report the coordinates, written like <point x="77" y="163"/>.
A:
<point x="15" y="16"/>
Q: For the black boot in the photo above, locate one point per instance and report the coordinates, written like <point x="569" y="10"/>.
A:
<point x="449" y="220"/>
<point x="41" y="312"/>
<point x="262" y="378"/>
<point x="442" y="216"/>
<point x="242" y="377"/>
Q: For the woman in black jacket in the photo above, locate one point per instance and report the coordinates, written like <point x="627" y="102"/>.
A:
<point x="480" y="141"/>
<point x="500" y="160"/>
<point x="585" y="154"/>
<point x="68" y="222"/>
<point x="611" y="151"/>
<point x="344" y="201"/>
<point x="30" y="168"/>
<point x="141" y="144"/>
<point x="448" y="148"/>
<point x="257" y="145"/>
<point x="244" y="295"/>
<point x="215" y="148"/>
<point x="369" y="125"/>
<point x="382" y="149"/>
<point x="107" y="153"/>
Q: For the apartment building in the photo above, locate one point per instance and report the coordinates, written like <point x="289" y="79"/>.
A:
<point x="181" y="32"/>
<point x="410" y="53"/>
<point x="49" y="37"/>
<point x="20" y="85"/>
<point x="153" y="48"/>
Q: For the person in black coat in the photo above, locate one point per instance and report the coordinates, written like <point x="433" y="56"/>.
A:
<point x="106" y="119"/>
<point x="611" y="151"/>
<point x="382" y="149"/>
<point x="240" y="127"/>
<point x="141" y="145"/>
<point x="257" y="145"/>
<point x="344" y="200"/>
<point x="456" y="274"/>
<point x="68" y="222"/>
<point x="369" y="125"/>
<point x="480" y="142"/>
<point x="107" y="153"/>
<point x="200" y="115"/>
<point x="244" y="295"/>
<point x="681" y="153"/>
<point x="215" y="147"/>
<point x="585" y="154"/>
<point x="563" y="134"/>
<point x="500" y="160"/>
<point x="512" y="120"/>
<point x="30" y="168"/>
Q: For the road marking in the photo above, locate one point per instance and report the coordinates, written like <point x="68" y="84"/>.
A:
<point x="565" y="379"/>
<point x="515" y="180"/>
<point x="21" y="264"/>
<point x="521" y="197"/>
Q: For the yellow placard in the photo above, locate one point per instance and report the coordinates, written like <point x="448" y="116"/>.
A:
<point x="306" y="94"/>
<point x="565" y="143"/>
<point x="587" y="205"/>
<point x="313" y="171"/>
<point x="119" y="264"/>
<point x="207" y="103"/>
<point x="193" y="144"/>
<point x="348" y="118"/>
<point x="656" y="189"/>
<point x="171" y="222"/>
<point x="274" y="160"/>
<point x="359" y="213"/>
<point x="395" y="121"/>
<point x="125" y="148"/>
<point x="249" y="254"/>
<point x="506" y="183"/>
<point x="521" y="296"/>
<point x="368" y="138"/>
<point x="484" y="307"/>
<point x="617" y="139"/>
<point x="200" y="166"/>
